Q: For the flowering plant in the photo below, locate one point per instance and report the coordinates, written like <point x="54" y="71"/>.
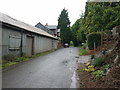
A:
<point x="90" y="68"/>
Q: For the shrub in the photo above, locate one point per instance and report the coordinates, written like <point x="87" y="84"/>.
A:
<point x="98" y="74"/>
<point x="94" y="37"/>
<point x="83" y="51"/>
<point x="71" y="43"/>
<point x="98" y="61"/>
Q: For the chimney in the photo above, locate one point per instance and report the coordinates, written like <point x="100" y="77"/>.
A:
<point x="46" y="24"/>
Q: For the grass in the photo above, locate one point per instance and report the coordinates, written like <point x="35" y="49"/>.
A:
<point x="83" y="51"/>
<point x="6" y="64"/>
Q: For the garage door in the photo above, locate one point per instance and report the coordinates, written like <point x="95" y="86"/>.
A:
<point x="29" y="46"/>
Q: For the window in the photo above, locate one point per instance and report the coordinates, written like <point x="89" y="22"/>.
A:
<point x="14" y="42"/>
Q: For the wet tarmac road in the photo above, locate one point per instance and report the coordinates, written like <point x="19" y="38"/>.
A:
<point x="54" y="70"/>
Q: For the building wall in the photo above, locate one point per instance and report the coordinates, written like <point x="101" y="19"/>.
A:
<point x="42" y="44"/>
<point x="30" y="44"/>
<point x="0" y="42"/>
<point x="11" y="38"/>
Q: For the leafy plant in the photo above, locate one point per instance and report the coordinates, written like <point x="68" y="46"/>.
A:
<point x="83" y="51"/>
<point x="106" y="67"/>
<point x="98" y="61"/>
<point x="98" y="74"/>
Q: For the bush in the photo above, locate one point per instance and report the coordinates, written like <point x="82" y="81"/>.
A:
<point x="94" y="37"/>
<point x="71" y="43"/>
<point x="83" y="51"/>
<point x="98" y="61"/>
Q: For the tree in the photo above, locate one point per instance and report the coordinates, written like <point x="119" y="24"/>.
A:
<point x="101" y="16"/>
<point x="75" y="27"/>
<point x="64" y="26"/>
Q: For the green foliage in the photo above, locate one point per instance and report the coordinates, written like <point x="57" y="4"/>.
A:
<point x="106" y="67"/>
<point x="98" y="16"/>
<point x="74" y="30"/>
<point x="98" y="61"/>
<point x="83" y="51"/>
<point x="101" y="16"/>
<point x="84" y="45"/>
<point x="81" y="70"/>
<point x="8" y="64"/>
<point x="78" y="32"/>
<point x="71" y="43"/>
<point x="64" y="26"/>
<point x="19" y="59"/>
<point x="81" y="37"/>
<point x="92" y="38"/>
<point x="98" y="74"/>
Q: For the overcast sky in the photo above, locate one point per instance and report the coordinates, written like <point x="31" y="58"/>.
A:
<point x="44" y="11"/>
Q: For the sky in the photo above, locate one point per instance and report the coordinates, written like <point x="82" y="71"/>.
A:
<point x="44" y="11"/>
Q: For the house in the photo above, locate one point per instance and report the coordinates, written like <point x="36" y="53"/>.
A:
<point x="54" y="29"/>
<point x="51" y="29"/>
<point x="41" y="26"/>
<point x="18" y="38"/>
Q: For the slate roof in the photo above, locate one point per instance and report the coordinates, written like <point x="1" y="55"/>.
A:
<point x="51" y="27"/>
<point x="39" y="25"/>
<point x="9" y="20"/>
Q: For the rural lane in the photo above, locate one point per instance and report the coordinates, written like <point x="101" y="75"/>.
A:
<point x="54" y="70"/>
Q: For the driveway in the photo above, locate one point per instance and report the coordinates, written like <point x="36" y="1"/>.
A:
<point x="54" y="70"/>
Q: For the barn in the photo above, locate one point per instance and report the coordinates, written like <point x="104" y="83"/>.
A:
<point x="18" y="38"/>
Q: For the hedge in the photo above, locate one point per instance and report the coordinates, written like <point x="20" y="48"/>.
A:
<point x="94" y="37"/>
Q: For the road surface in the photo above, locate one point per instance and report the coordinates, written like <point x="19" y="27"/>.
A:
<point x="54" y="70"/>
